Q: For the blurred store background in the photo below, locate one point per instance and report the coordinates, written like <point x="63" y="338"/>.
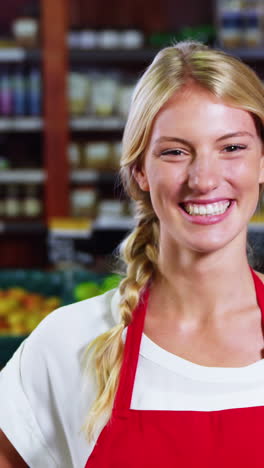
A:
<point x="67" y="70"/>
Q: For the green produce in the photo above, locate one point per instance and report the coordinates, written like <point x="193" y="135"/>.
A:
<point x="86" y="290"/>
<point x="110" y="282"/>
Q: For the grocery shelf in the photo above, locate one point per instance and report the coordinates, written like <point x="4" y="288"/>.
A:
<point x="22" y="227"/>
<point x="19" y="54"/>
<point x="112" y="223"/>
<point x="79" y="176"/>
<point x="21" y="124"/>
<point x="246" y="54"/>
<point x="123" y="56"/>
<point x="85" y="123"/>
<point x="22" y="176"/>
<point x="116" y="56"/>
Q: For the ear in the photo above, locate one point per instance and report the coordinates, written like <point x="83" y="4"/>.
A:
<point x="140" y="176"/>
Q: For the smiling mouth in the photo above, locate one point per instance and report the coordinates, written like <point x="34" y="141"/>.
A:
<point x="210" y="209"/>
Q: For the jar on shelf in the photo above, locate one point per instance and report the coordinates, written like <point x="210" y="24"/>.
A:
<point x="132" y="39"/>
<point x="83" y="202"/>
<point x="124" y="98"/>
<point x="230" y="21"/>
<point x="2" y="201"/>
<point x="96" y="155"/>
<point x="104" y="94"/>
<point x="78" y="93"/>
<point x="26" y="31"/>
<point x="109" y="39"/>
<point x="253" y="23"/>
<point x="12" y="203"/>
<point x="109" y="208"/>
<point x="31" y="203"/>
<point x="74" y="155"/>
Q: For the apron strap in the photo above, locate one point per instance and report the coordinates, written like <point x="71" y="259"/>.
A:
<point x="259" y="287"/>
<point x="131" y="354"/>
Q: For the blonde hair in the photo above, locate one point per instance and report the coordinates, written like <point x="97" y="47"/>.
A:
<point x="227" y="78"/>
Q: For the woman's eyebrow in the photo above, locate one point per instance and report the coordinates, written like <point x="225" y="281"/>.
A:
<point x="186" y="142"/>
<point x="234" y="134"/>
<point x="167" y="138"/>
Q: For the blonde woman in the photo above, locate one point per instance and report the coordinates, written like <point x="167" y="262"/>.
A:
<point x="174" y="371"/>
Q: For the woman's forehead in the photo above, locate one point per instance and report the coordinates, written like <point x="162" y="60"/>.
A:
<point x="194" y="110"/>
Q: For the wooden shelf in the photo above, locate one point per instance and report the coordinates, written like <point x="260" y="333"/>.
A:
<point x="79" y="176"/>
<point x="22" y="176"/>
<point x="20" y="55"/>
<point x="246" y="54"/>
<point x="88" y="123"/>
<point x="22" y="227"/>
<point x="21" y="124"/>
<point x="114" y="56"/>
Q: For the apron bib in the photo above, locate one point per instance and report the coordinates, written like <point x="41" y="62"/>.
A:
<point x="231" y="438"/>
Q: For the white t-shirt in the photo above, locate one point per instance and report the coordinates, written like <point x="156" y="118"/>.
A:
<point x="43" y="400"/>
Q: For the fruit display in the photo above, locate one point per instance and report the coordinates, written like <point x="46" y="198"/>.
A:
<point x="21" y="310"/>
<point x="26" y="297"/>
<point x="87" y="289"/>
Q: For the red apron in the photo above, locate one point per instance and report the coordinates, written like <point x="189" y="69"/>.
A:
<point x="183" y="439"/>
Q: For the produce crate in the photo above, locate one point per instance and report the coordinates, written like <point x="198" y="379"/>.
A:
<point x="60" y="284"/>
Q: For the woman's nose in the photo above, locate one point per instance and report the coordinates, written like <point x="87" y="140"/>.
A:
<point x="204" y="174"/>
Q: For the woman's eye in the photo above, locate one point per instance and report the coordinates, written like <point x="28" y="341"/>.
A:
<point x="174" y="152"/>
<point x="232" y="148"/>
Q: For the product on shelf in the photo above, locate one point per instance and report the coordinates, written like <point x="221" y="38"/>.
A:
<point x="5" y="93"/>
<point x="240" y="23"/>
<point x="83" y="202"/>
<point x="108" y="39"/>
<point x="104" y="94"/>
<point x="20" y="201"/>
<point x="20" y="92"/>
<point x="93" y="93"/>
<point x="78" y="93"/>
<point x="26" y="31"/>
<point x="110" y="208"/>
<point x="96" y="155"/>
<point x="32" y="203"/>
<point x="74" y="155"/>
<point x="12" y="203"/>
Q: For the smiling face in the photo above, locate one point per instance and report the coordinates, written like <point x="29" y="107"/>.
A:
<point x="202" y="167"/>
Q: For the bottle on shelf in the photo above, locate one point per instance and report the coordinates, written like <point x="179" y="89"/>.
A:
<point x="19" y="92"/>
<point x="5" y="94"/>
<point x="12" y="204"/>
<point x="32" y="203"/>
<point x="253" y="23"/>
<point x="34" y="92"/>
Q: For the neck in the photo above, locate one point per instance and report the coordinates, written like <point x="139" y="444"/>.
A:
<point x="198" y="288"/>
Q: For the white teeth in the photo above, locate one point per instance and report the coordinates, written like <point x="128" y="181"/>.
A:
<point x="210" y="209"/>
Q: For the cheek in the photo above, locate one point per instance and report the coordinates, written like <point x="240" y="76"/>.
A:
<point x="243" y="175"/>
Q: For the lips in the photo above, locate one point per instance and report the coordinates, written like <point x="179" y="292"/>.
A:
<point x="205" y="219"/>
<point x="212" y="208"/>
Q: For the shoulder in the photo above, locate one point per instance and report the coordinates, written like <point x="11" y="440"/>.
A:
<point x="77" y="324"/>
<point x="45" y="374"/>
<point x="260" y="275"/>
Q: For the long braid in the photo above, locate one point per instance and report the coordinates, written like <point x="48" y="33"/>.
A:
<point x="105" y="353"/>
